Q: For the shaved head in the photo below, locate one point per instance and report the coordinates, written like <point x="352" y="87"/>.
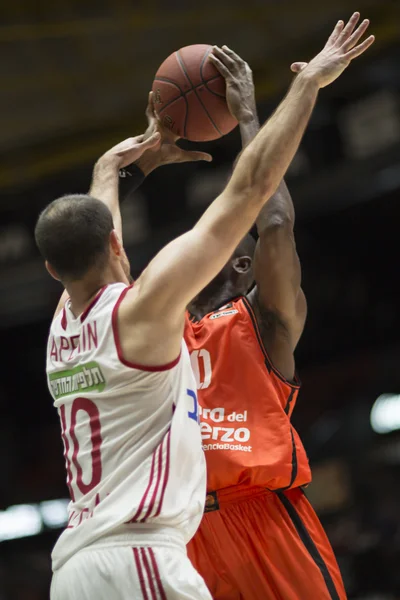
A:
<point x="246" y="247"/>
<point x="235" y="279"/>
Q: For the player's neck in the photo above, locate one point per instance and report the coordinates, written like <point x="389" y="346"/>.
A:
<point x="83" y="292"/>
<point x="211" y="299"/>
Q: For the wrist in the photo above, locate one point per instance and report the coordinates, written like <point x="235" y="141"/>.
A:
<point x="249" y="129"/>
<point x="106" y="165"/>
<point x="309" y="79"/>
<point x="250" y="117"/>
<point x="148" y="162"/>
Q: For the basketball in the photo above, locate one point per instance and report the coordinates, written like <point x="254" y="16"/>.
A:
<point x="189" y="95"/>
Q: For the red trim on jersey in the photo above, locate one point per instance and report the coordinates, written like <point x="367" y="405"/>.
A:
<point x="142" y="502"/>
<point x="150" y="577"/>
<point x="166" y="475"/>
<point x="64" y="319"/>
<point x="159" y="476"/>
<point x="127" y="363"/>
<point x="140" y="573"/>
<point x="157" y="574"/>
<point x="93" y="302"/>
<point x="66" y="450"/>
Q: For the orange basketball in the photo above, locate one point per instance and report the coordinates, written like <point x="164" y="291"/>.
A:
<point x="189" y="95"/>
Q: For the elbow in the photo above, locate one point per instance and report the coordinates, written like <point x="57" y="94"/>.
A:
<point x="280" y="220"/>
<point x="277" y="224"/>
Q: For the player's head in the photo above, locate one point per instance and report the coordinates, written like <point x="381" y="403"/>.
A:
<point x="235" y="279"/>
<point x="239" y="270"/>
<point x="76" y="237"/>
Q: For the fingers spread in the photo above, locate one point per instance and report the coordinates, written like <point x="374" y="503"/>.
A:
<point x="235" y="57"/>
<point x="356" y="36"/>
<point x="223" y="57"/>
<point x="225" y="72"/>
<point x="335" y="33"/>
<point x="360" y="49"/>
<point x="348" y="30"/>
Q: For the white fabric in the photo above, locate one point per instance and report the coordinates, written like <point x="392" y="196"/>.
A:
<point x="131" y="436"/>
<point x="124" y="573"/>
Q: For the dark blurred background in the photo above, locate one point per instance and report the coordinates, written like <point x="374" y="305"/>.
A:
<point x="74" y="81"/>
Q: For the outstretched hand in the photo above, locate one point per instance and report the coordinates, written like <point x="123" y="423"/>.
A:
<point x="340" y="49"/>
<point x="131" y="149"/>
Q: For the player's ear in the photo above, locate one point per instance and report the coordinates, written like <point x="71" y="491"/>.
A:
<point x="242" y="264"/>
<point x="116" y="243"/>
<point x="52" y="271"/>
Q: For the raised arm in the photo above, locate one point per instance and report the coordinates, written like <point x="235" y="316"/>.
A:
<point x="105" y="179"/>
<point x="277" y="299"/>
<point x="157" y="303"/>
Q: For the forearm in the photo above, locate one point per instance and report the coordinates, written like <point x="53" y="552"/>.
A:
<point x="104" y="187"/>
<point x="280" y="206"/>
<point x="263" y="163"/>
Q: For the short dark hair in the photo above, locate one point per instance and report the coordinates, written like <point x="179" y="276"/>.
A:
<point x="72" y="234"/>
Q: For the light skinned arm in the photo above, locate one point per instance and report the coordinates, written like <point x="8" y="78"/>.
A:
<point x="105" y="180"/>
<point x="155" y="306"/>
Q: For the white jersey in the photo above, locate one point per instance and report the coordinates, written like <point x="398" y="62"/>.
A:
<point x="131" y="434"/>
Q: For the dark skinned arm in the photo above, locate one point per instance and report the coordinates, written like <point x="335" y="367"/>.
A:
<point x="277" y="299"/>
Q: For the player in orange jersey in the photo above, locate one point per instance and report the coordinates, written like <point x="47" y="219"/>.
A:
<point x="259" y="538"/>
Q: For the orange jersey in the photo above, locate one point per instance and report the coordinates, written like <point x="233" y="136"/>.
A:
<point x="245" y="404"/>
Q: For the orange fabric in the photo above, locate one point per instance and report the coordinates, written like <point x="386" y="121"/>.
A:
<point x="245" y="404"/>
<point x="257" y="547"/>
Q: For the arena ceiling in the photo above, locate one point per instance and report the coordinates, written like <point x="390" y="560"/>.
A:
<point x="75" y="73"/>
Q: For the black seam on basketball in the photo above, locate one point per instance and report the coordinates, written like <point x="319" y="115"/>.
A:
<point x="202" y="63"/>
<point x="194" y="87"/>
<point x="212" y="79"/>
<point x="182" y="65"/>
<point x="166" y="80"/>
<point x="212" y="91"/>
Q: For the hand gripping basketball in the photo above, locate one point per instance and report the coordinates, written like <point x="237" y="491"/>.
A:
<point x="338" y="52"/>
<point x="168" y="152"/>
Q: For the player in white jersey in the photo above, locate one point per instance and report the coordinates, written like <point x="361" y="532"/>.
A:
<point x="119" y="371"/>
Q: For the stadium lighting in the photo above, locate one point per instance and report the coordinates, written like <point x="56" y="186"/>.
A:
<point x="19" y="521"/>
<point x="25" y="520"/>
<point x="54" y="513"/>
<point x="385" y="413"/>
